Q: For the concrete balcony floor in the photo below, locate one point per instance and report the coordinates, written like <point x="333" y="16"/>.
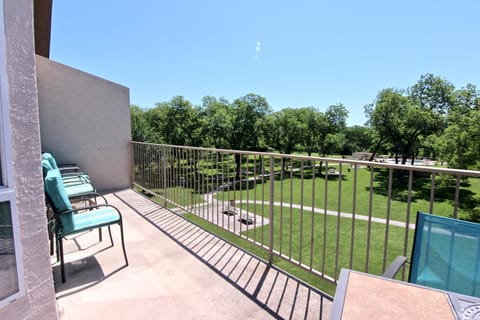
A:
<point x="176" y="271"/>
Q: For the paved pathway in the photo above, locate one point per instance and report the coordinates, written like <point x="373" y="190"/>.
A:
<point x="211" y="201"/>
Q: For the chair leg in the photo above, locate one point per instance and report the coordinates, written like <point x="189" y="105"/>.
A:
<point x="50" y="238"/>
<point x="100" y="236"/>
<point x="110" y="233"/>
<point x="123" y="242"/>
<point x="62" y="260"/>
<point x="57" y="251"/>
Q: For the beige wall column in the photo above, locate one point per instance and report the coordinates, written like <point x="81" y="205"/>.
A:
<point x="39" y="299"/>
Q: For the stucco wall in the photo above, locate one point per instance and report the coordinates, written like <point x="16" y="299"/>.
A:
<point x="39" y="300"/>
<point x="85" y="120"/>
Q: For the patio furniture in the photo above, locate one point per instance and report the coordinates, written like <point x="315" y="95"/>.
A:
<point x="76" y="184"/>
<point x="70" y="173"/>
<point x="71" y="167"/>
<point x="445" y="255"/>
<point x="66" y="222"/>
<point x="366" y="296"/>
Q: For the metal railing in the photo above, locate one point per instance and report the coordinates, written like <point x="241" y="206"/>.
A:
<point x="321" y="214"/>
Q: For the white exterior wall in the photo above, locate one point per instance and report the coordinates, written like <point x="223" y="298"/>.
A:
<point x="85" y="120"/>
<point x="39" y="299"/>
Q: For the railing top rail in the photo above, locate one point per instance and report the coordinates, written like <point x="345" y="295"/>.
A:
<point x="436" y="170"/>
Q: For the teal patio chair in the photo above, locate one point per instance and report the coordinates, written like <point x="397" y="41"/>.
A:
<point x="64" y="168"/>
<point x="71" y="173"/>
<point x="67" y="222"/>
<point x="77" y="187"/>
<point x="445" y="255"/>
<point x="76" y="184"/>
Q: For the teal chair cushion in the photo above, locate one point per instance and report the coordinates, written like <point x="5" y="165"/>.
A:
<point x="49" y="157"/>
<point x="56" y="191"/>
<point x="74" y="223"/>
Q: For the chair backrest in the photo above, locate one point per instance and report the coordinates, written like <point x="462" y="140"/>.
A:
<point x="49" y="157"/>
<point x="57" y="196"/>
<point x="446" y="254"/>
<point x="46" y="166"/>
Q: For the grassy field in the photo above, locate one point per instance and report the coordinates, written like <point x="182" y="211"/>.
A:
<point x="315" y="239"/>
<point x="311" y="192"/>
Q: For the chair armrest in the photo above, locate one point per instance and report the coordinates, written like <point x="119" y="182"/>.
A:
<point x="88" y="196"/>
<point x="393" y="269"/>
<point x="67" y="168"/>
<point x="93" y="207"/>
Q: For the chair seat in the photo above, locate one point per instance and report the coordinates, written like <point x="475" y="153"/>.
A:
<point x="75" y="179"/>
<point x="78" y="189"/>
<point x="74" y="223"/>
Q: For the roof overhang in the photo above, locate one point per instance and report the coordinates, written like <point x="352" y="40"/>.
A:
<point x="42" y="17"/>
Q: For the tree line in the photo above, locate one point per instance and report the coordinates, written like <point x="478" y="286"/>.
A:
<point x="430" y="119"/>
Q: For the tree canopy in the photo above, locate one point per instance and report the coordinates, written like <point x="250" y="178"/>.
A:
<point x="428" y="119"/>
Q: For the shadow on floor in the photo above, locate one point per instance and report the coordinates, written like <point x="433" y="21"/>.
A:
<point x="85" y="272"/>
<point x="277" y="292"/>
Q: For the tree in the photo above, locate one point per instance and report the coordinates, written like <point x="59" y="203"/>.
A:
<point x="176" y="122"/>
<point x="218" y="123"/>
<point x="249" y="114"/>
<point x="330" y="123"/>
<point x="187" y="120"/>
<point x="284" y="127"/>
<point x="459" y="142"/>
<point x="384" y="118"/>
<point x="337" y="115"/>
<point x="335" y="142"/>
<point x="432" y="93"/>
<point x="309" y="129"/>
<point x="140" y="127"/>
<point x="357" y="139"/>
<point x="403" y="119"/>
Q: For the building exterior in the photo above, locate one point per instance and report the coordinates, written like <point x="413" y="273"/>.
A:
<point x="36" y="95"/>
<point x="31" y="293"/>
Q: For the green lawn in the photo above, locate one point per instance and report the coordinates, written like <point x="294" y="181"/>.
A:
<point x="311" y="191"/>
<point x="324" y="236"/>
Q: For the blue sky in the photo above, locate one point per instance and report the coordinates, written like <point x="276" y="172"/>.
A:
<point x="294" y="53"/>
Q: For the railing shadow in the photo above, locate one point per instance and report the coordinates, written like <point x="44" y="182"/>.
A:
<point x="280" y="294"/>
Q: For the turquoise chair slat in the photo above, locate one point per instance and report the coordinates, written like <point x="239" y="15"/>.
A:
<point x="78" y="189"/>
<point x="74" y="223"/>
<point x="75" y="179"/>
<point x="446" y="254"/>
<point x="56" y="191"/>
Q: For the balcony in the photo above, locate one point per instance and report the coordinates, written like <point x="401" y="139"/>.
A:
<point x="207" y="226"/>
<point x="177" y="270"/>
